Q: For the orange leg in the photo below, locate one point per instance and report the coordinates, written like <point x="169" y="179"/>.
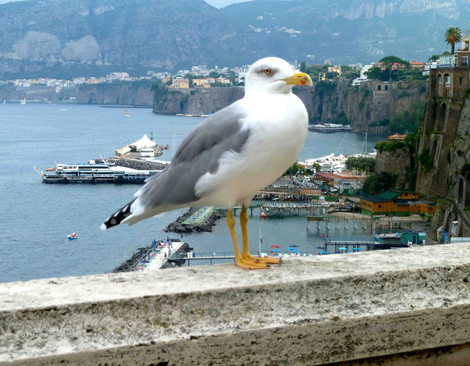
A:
<point x="239" y="260"/>
<point x="246" y="250"/>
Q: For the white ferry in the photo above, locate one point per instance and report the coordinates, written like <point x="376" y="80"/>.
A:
<point x="94" y="173"/>
<point x="329" y="128"/>
<point x="147" y="153"/>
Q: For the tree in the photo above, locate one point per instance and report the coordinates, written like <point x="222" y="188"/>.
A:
<point x="452" y="36"/>
<point x="331" y="75"/>
<point x="214" y="75"/>
<point x="294" y="168"/>
<point x="303" y="66"/>
<point x="433" y="58"/>
<point x="394" y="60"/>
<point x="379" y="183"/>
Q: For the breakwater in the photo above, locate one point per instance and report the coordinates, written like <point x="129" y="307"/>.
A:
<point x="144" y="252"/>
<point x="137" y="164"/>
<point x="184" y="224"/>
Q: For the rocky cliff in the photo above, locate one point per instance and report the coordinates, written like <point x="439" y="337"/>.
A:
<point x="35" y="35"/>
<point x="327" y="102"/>
<point x="343" y="31"/>
<point x="124" y="94"/>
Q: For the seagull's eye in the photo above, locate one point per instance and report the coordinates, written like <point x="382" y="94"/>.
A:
<point x="267" y="71"/>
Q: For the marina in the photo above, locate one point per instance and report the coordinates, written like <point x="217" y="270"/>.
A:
<point x="52" y="135"/>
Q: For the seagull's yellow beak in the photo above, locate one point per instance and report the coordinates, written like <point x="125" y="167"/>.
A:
<point x="299" y="78"/>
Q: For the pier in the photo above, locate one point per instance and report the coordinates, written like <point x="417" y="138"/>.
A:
<point x="291" y="208"/>
<point x="154" y="257"/>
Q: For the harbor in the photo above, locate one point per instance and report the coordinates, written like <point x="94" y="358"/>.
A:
<point x="81" y="208"/>
<point x="132" y="164"/>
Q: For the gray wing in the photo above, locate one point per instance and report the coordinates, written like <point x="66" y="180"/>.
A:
<point x="197" y="155"/>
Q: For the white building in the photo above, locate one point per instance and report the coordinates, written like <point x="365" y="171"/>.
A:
<point x="363" y="77"/>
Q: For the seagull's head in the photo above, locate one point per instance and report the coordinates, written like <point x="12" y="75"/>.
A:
<point x="274" y="76"/>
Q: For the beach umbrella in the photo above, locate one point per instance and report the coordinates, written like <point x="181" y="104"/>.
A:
<point x="356" y="248"/>
<point x="291" y="248"/>
<point x="319" y="248"/>
<point x="323" y="252"/>
<point x="294" y="246"/>
<point x="296" y="251"/>
<point x="274" y="246"/>
<point x="277" y="250"/>
<point x="343" y="248"/>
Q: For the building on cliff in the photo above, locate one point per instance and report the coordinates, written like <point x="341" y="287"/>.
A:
<point x="444" y="143"/>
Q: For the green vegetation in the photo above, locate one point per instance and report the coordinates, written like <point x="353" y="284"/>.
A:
<point x="303" y="66"/>
<point x="347" y="72"/>
<point x="340" y="119"/>
<point x="376" y="73"/>
<point x="465" y="171"/>
<point x="360" y="164"/>
<point x="296" y="168"/>
<point x="378" y="183"/>
<point x="364" y="99"/>
<point x="383" y="122"/>
<point x="384" y="146"/>
<point x="407" y="121"/>
<point x="452" y="36"/>
<point x="426" y="160"/>
<point x="394" y="60"/>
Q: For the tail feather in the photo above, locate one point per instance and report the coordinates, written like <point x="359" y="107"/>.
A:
<point x="117" y="217"/>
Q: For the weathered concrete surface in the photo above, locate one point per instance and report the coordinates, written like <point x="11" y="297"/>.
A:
<point x="312" y="310"/>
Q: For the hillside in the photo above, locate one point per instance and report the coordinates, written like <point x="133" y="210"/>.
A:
<point x="343" y="31"/>
<point x="37" y="35"/>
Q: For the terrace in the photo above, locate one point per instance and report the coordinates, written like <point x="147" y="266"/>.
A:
<point x="392" y="307"/>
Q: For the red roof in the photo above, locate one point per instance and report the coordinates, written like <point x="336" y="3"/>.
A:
<point x="326" y="175"/>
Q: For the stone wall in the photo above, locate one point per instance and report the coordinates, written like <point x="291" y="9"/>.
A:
<point x="138" y="164"/>
<point x="393" y="162"/>
<point x="439" y="128"/>
<point x="365" y="308"/>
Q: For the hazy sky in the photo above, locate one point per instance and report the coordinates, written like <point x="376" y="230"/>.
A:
<point x="216" y="3"/>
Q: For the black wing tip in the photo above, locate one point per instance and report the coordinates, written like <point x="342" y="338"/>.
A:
<point x="117" y="217"/>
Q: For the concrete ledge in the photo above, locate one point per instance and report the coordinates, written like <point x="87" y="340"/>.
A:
<point x="312" y="310"/>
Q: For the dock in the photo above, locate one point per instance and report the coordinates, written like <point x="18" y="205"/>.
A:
<point x="157" y="256"/>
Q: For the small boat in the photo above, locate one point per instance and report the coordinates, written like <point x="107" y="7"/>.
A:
<point x="72" y="236"/>
<point x="23" y="101"/>
<point x="126" y="112"/>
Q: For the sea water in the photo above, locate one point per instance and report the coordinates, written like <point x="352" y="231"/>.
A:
<point x="36" y="218"/>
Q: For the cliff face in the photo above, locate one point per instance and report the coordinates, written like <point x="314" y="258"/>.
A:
<point x="111" y="94"/>
<point x="365" y="105"/>
<point x="343" y="31"/>
<point x="394" y="162"/>
<point x="141" y="96"/>
<point x="209" y="100"/>
<point x="154" y="34"/>
<point x="326" y="102"/>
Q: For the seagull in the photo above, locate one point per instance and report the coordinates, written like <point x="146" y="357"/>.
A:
<point x="230" y="156"/>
